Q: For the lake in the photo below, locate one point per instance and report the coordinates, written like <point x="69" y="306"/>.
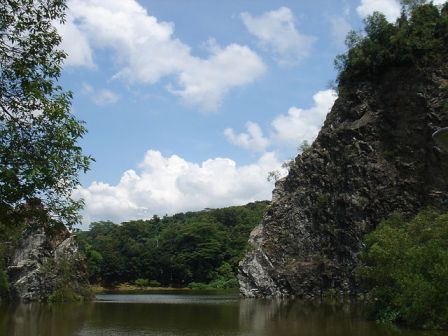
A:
<point x="189" y="314"/>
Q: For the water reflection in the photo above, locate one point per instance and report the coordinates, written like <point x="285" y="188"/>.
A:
<point x="285" y="317"/>
<point x="189" y="314"/>
<point x="43" y="320"/>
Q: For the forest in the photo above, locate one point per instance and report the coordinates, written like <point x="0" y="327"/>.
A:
<point x="186" y="249"/>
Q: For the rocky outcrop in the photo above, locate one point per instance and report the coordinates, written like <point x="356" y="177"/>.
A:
<point x="43" y="261"/>
<point x="374" y="156"/>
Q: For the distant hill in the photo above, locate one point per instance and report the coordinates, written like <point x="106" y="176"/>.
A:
<point x="202" y="246"/>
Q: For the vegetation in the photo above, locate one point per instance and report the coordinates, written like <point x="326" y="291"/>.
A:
<point x="39" y="154"/>
<point x="144" y="283"/>
<point x="405" y="264"/>
<point x="174" y="251"/>
<point x="419" y="38"/>
<point x="67" y="288"/>
<point x="405" y="270"/>
<point x="275" y="175"/>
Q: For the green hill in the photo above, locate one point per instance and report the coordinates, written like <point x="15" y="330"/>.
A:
<point x="192" y="247"/>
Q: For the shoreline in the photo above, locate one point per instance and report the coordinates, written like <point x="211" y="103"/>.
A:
<point x="128" y="288"/>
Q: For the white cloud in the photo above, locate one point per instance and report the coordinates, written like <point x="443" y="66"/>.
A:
<point x="289" y="129"/>
<point x="390" y="8"/>
<point x="75" y="44"/>
<point x="100" y="97"/>
<point x="276" y="31"/>
<point x="303" y="124"/>
<point x="167" y="185"/>
<point x="146" y="50"/>
<point x="253" y="140"/>
<point x="339" y="29"/>
<point x="205" y="82"/>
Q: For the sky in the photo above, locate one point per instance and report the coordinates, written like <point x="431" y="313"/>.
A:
<point x="190" y="104"/>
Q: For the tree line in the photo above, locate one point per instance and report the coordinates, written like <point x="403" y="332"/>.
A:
<point x="189" y="248"/>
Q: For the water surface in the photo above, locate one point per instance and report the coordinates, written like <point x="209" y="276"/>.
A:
<point x="190" y="314"/>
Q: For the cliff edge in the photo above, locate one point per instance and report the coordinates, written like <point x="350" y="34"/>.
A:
<point x="374" y="156"/>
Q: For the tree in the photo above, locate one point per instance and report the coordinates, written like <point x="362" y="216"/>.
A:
<point x="418" y="38"/>
<point x="200" y="246"/>
<point x="39" y="153"/>
<point x="411" y="4"/>
<point x="405" y="270"/>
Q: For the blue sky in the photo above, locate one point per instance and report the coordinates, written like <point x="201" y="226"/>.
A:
<point x="189" y="104"/>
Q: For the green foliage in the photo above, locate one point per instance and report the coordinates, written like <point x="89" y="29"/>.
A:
<point x="288" y="165"/>
<point x="223" y="278"/>
<point x="405" y="270"/>
<point x="67" y="286"/>
<point x="411" y="4"/>
<point x="141" y="282"/>
<point x="323" y="199"/>
<point x="39" y="154"/>
<point x="304" y="146"/>
<point x="215" y="284"/>
<point x="65" y="294"/>
<point x="154" y="283"/>
<point x="174" y="251"/>
<point x="273" y="176"/>
<point x="418" y="38"/>
<point x="198" y="286"/>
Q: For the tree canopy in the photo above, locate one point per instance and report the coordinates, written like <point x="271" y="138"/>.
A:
<point x="39" y="153"/>
<point x="405" y="270"/>
<point x="418" y="38"/>
<point x="198" y="247"/>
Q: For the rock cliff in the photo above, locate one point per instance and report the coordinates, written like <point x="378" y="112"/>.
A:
<point x="45" y="261"/>
<point x="374" y="156"/>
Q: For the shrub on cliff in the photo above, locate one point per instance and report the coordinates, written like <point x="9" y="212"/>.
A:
<point x="418" y="38"/>
<point x="66" y="271"/>
<point x="405" y="270"/>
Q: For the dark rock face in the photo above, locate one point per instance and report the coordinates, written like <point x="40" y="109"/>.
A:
<point x="374" y="156"/>
<point x="34" y="269"/>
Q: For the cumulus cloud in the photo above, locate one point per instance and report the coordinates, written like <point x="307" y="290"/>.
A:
<point x="390" y="8"/>
<point x="253" y="140"/>
<point x="205" y="82"/>
<point x="146" y="51"/>
<point x="100" y="97"/>
<point x="166" y="185"/>
<point x="75" y="44"/>
<point x="300" y="124"/>
<point x="289" y="129"/>
<point x="276" y="31"/>
<point x="339" y="29"/>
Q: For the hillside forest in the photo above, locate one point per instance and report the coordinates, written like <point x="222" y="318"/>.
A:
<point x="186" y="249"/>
